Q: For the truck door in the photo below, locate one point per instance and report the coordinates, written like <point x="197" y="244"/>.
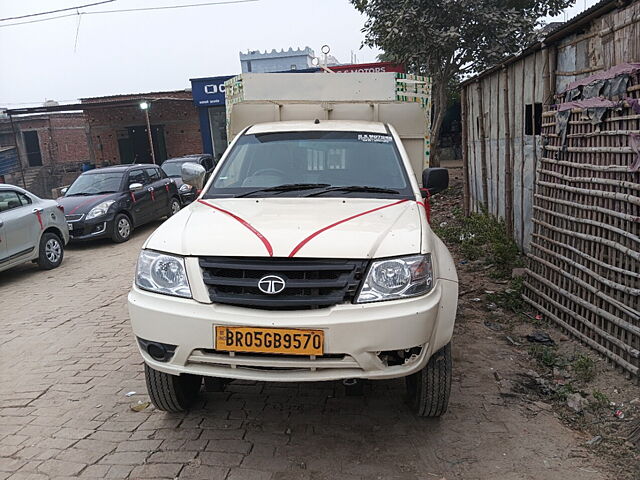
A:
<point x="20" y="225"/>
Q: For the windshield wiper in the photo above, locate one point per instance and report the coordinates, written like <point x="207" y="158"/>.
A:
<point x="104" y="192"/>
<point x="79" y="194"/>
<point x="288" y="187"/>
<point x="354" y="188"/>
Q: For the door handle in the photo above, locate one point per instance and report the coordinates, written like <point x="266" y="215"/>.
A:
<point x="37" y="210"/>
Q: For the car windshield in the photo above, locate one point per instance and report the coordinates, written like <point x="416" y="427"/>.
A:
<point x="361" y="164"/>
<point x="95" y="183"/>
<point x="173" y="169"/>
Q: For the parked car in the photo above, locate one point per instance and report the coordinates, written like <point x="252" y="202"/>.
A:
<point x="173" y="168"/>
<point x="31" y="229"/>
<point x="110" y="202"/>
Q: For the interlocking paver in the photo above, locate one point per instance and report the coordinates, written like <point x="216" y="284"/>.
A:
<point x="71" y="358"/>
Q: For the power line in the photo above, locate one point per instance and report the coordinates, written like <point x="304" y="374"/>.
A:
<point x="56" y="11"/>
<point x="129" y="10"/>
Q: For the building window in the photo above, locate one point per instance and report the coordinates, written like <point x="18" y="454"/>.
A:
<point x="248" y="65"/>
<point x="533" y="119"/>
<point x="294" y="67"/>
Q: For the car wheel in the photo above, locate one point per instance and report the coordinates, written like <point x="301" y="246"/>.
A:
<point x="174" y="206"/>
<point x="172" y="393"/>
<point x="51" y="251"/>
<point x="428" y="390"/>
<point x="122" y="228"/>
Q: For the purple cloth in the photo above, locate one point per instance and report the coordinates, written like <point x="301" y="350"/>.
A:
<point x="622" y="69"/>
<point x="588" y="103"/>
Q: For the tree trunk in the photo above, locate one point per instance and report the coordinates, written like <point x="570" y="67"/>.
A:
<point x="439" y="108"/>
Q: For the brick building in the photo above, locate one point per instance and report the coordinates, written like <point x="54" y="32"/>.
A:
<point x="118" y="132"/>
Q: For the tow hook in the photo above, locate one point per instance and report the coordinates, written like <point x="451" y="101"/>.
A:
<point x="353" y="387"/>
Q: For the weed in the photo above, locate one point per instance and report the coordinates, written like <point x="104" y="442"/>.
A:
<point x="482" y="235"/>
<point x="511" y="298"/>
<point x="600" y="400"/>
<point x="563" y="392"/>
<point x="544" y="355"/>
<point x="584" y="368"/>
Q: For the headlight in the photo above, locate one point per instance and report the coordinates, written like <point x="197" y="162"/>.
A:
<point x="397" y="278"/>
<point x="162" y="273"/>
<point x="100" y="209"/>
<point x="184" y="188"/>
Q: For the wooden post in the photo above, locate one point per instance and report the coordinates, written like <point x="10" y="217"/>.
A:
<point x="465" y="154"/>
<point x="508" y="169"/>
<point x="483" y="146"/>
<point x="15" y="139"/>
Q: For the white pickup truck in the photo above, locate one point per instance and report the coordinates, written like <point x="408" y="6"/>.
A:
<point x="307" y="256"/>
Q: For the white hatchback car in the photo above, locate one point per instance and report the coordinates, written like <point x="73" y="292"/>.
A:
<point x="31" y="229"/>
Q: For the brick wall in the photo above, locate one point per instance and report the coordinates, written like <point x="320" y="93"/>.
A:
<point x="173" y="111"/>
<point x="62" y="137"/>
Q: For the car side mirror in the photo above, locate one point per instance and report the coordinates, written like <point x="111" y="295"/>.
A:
<point x="193" y="174"/>
<point x="435" y="180"/>
<point x="134" y="187"/>
<point x="64" y="191"/>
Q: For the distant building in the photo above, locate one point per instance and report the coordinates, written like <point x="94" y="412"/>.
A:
<point x="254" y="61"/>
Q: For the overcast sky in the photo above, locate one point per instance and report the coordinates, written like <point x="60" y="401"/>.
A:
<point x="161" y="50"/>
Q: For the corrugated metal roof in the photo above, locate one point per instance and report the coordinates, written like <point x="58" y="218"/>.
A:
<point x="553" y="36"/>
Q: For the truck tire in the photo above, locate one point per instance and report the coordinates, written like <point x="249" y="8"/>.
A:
<point x="171" y="393"/>
<point x="428" y="390"/>
<point x="51" y="251"/>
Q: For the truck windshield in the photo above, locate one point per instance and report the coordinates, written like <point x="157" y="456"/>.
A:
<point x="313" y="164"/>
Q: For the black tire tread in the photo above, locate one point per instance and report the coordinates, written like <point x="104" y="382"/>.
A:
<point x="171" y="393"/>
<point x="433" y="385"/>
<point x="42" y="261"/>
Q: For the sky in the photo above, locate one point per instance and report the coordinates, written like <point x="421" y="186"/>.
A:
<point x="149" y="51"/>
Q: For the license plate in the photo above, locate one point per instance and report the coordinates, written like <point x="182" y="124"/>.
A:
<point x="269" y="340"/>
<point x="70" y="225"/>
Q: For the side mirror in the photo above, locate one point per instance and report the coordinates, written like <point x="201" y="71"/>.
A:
<point x="134" y="187"/>
<point x="193" y="174"/>
<point x="64" y="191"/>
<point x="435" y="180"/>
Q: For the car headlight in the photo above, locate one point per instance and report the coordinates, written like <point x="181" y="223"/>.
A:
<point x="100" y="209"/>
<point x="184" y="188"/>
<point x="396" y="278"/>
<point x="162" y="273"/>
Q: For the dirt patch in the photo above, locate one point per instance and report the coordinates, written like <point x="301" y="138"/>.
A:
<point x="546" y="371"/>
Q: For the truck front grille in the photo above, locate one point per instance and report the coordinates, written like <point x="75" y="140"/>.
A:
<point x="310" y="283"/>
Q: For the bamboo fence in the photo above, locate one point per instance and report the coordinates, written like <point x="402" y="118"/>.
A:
<point x="584" y="264"/>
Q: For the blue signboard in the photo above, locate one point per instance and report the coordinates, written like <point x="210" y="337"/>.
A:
<point x="208" y="92"/>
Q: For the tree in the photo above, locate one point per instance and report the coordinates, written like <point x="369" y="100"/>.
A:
<point x="450" y="39"/>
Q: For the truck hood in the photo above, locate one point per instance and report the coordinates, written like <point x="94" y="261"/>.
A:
<point x="287" y="227"/>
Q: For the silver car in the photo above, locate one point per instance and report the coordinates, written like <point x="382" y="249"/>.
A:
<point x="31" y="229"/>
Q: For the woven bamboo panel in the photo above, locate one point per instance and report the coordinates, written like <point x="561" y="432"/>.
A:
<point x="584" y="265"/>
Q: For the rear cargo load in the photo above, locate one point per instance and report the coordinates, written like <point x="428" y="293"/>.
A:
<point x="401" y="100"/>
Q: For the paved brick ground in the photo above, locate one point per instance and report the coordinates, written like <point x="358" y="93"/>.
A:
<point x="67" y="359"/>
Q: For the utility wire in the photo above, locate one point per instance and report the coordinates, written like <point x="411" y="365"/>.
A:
<point x="129" y="10"/>
<point x="56" y="11"/>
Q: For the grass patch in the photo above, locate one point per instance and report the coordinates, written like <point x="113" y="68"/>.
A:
<point x="482" y="236"/>
<point x="584" y="368"/>
<point x="545" y="356"/>
<point x="600" y="400"/>
<point x="511" y="298"/>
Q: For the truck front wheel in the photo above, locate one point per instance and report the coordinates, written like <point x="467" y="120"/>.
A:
<point x="172" y="393"/>
<point x="428" y="390"/>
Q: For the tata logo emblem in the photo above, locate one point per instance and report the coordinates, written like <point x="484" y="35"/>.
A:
<point x="271" y="284"/>
<point x="212" y="89"/>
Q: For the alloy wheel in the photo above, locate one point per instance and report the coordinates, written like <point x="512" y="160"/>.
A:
<point x="53" y="250"/>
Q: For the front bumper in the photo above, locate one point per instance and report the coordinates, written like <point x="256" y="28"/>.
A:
<point x="188" y="197"/>
<point x="99" y="227"/>
<point x="354" y="336"/>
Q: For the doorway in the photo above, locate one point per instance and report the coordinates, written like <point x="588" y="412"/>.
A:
<point x="134" y="146"/>
<point x="32" y="147"/>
